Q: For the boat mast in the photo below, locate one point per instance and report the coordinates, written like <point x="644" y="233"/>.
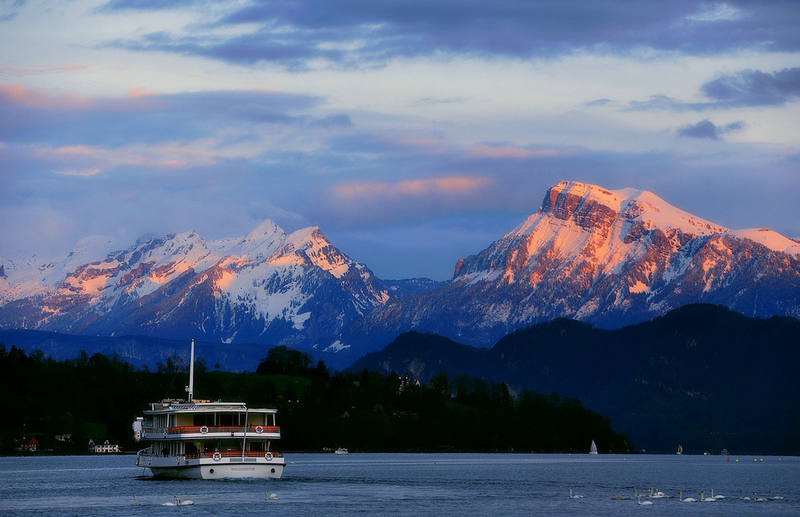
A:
<point x="190" y="387"/>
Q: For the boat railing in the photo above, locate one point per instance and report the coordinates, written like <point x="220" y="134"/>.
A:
<point x="233" y="454"/>
<point x="203" y="429"/>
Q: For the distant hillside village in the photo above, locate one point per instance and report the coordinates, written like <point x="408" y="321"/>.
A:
<point x="105" y="448"/>
<point x="33" y="445"/>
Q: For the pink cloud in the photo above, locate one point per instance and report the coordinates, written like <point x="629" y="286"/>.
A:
<point x="505" y="151"/>
<point x="20" y="95"/>
<point x="83" y="173"/>
<point x="81" y="160"/>
<point x="76" y="150"/>
<point x="141" y="91"/>
<point x="412" y="188"/>
<point x="19" y="71"/>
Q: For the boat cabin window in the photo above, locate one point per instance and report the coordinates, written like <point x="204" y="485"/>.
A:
<point x="228" y="419"/>
<point x="203" y="419"/>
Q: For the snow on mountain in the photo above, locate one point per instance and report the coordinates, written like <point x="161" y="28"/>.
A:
<point x="265" y="287"/>
<point x="772" y="240"/>
<point x="609" y="257"/>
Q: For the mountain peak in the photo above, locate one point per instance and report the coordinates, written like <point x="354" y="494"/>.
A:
<point x="265" y="287"/>
<point x="609" y="257"/>
<point x="587" y="204"/>
<point x="260" y="243"/>
<point x="311" y="246"/>
<point x="266" y="230"/>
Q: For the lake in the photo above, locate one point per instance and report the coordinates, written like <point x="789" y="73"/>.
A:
<point x="412" y="485"/>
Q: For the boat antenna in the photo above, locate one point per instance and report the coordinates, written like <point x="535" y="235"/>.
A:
<point x="190" y="387"/>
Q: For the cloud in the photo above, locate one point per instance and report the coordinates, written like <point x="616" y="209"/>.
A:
<point x="707" y="129"/>
<point x="510" y="152"/>
<point x="599" y="102"/>
<point x="154" y="5"/>
<point x="412" y="188"/>
<point x="297" y="33"/>
<point x="659" y="102"/>
<point x="755" y="88"/>
<point x="741" y="89"/>
<point x="410" y="199"/>
<point x="341" y="120"/>
<point x="20" y="71"/>
<point x="28" y="115"/>
<point x="84" y="173"/>
<point x="10" y="10"/>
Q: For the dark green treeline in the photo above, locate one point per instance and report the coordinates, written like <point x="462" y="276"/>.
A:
<point x="98" y="397"/>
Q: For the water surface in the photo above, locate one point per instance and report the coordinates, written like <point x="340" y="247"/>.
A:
<point x="413" y="485"/>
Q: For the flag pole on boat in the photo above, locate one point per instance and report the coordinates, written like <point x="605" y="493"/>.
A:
<point x="190" y="387"/>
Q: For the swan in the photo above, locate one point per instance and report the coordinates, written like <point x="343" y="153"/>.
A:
<point x="759" y="499"/>
<point x="576" y="496"/>
<point x="717" y="497"/>
<point x="775" y="498"/>
<point x="177" y="502"/>
<point x="706" y="499"/>
<point x="273" y="496"/>
<point x="687" y="500"/>
<point x="618" y="498"/>
<point x="657" y="495"/>
<point x="644" y="503"/>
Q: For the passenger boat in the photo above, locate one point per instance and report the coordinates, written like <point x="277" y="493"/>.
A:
<point x="199" y="439"/>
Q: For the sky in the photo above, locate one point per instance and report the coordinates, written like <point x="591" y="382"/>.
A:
<point x="413" y="132"/>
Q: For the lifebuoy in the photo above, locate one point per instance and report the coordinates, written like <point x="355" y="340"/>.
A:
<point x="259" y="429"/>
<point x="268" y="456"/>
<point x="204" y="429"/>
<point x="217" y="456"/>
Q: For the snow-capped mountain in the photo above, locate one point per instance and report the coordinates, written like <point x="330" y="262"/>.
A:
<point x="266" y="287"/>
<point x="611" y="258"/>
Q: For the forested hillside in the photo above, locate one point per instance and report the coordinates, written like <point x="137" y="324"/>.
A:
<point x="701" y="376"/>
<point x="98" y="397"/>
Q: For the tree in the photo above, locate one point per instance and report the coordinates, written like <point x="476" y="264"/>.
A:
<point x="284" y="361"/>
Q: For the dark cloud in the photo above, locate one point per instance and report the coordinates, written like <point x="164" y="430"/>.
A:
<point x="707" y="129"/>
<point x="29" y="116"/>
<point x="292" y="50"/>
<point x="743" y="88"/>
<point x="755" y="88"/>
<point x="659" y="102"/>
<point x="599" y="102"/>
<point x="154" y="5"/>
<point x="294" y="32"/>
<point x="340" y="120"/>
<point x="14" y="6"/>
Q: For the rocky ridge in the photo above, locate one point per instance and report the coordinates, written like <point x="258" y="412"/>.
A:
<point x="610" y="258"/>
<point x="266" y="287"/>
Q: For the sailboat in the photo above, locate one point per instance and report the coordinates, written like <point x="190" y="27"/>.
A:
<point x="680" y="450"/>
<point x="593" y="448"/>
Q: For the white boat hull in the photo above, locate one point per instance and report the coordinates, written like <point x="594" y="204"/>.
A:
<point x="208" y="468"/>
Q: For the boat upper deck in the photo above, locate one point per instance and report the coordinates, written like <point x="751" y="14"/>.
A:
<point x="203" y="406"/>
